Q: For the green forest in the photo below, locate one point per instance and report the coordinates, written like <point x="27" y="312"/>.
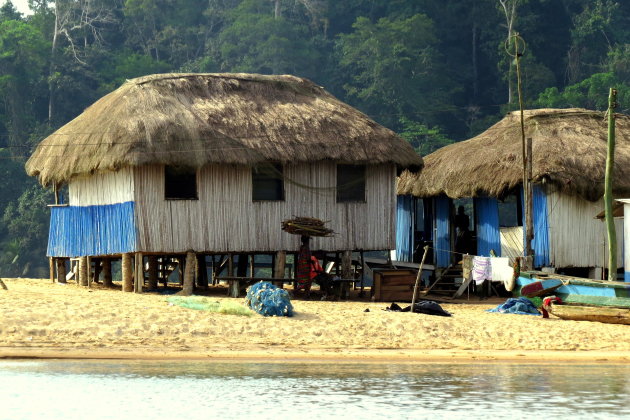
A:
<point x="434" y="71"/>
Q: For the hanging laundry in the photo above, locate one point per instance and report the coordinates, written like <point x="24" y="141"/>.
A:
<point x="501" y="269"/>
<point x="482" y="269"/>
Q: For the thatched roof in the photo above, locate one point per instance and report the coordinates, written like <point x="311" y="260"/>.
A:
<point x="569" y="151"/>
<point x="196" y="119"/>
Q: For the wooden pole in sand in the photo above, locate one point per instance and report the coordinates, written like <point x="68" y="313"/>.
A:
<point x="346" y="272"/>
<point x="153" y="272"/>
<point x="138" y="277"/>
<point x="608" y="188"/>
<point x="189" y="274"/>
<point x="61" y="270"/>
<point x="279" y="266"/>
<point x="415" y="287"/>
<point x="127" y="274"/>
<point x="51" y="266"/>
<point x="83" y="271"/>
<point x="107" y="272"/>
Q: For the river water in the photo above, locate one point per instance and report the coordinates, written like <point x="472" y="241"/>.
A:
<point x="208" y="390"/>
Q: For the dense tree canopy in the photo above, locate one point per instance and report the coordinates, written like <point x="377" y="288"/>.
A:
<point x="435" y="71"/>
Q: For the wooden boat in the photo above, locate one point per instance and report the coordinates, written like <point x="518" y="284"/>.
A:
<point x="574" y="312"/>
<point x="579" y="290"/>
<point x="540" y="288"/>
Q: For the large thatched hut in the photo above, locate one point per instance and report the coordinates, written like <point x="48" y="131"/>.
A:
<point x="569" y="155"/>
<point x="213" y="163"/>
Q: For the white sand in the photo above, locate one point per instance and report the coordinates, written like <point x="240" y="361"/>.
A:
<point x="41" y="319"/>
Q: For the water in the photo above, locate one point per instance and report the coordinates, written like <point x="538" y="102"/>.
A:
<point x="202" y="390"/>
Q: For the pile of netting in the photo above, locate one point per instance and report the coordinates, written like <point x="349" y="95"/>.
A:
<point x="307" y="226"/>
<point x="269" y="300"/>
<point x="201" y="303"/>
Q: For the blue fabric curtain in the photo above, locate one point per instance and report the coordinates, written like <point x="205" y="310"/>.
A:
<point x="442" y="236"/>
<point x="540" y="244"/>
<point x="405" y="216"/>
<point x="488" y="226"/>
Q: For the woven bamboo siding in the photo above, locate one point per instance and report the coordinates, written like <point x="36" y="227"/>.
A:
<point x="226" y="219"/>
<point x="576" y="238"/>
<point x="102" y="188"/>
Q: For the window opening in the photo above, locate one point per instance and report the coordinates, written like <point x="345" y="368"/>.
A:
<point x="350" y="183"/>
<point x="180" y="183"/>
<point x="267" y="183"/>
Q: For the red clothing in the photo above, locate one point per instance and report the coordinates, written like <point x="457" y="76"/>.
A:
<point x="316" y="267"/>
<point x="303" y="269"/>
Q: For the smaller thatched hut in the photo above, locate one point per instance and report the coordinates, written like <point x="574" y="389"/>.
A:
<point x="178" y="164"/>
<point x="569" y="155"/>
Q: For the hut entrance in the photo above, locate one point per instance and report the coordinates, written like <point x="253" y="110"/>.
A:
<point x="464" y="232"/>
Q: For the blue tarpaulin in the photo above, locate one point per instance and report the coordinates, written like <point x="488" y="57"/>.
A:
<point x="520" y="306"/>
<point x="540" y="244"/>
<point x="92" y="230"/>
<point x="488" y="236"/>
<point x="442" y="225"/>
<point x="404" y="227"/>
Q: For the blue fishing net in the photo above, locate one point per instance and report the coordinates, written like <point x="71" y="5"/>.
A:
<point x="521" y="306"/>
<point x="269" y="300"/>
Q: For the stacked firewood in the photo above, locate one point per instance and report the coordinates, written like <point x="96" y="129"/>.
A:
<point x="307" y="226"/>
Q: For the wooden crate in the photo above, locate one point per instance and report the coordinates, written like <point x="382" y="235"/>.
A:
<point x="393" y="285"/>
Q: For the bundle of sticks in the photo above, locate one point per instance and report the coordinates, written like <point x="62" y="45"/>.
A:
<point x="307" y="226"/>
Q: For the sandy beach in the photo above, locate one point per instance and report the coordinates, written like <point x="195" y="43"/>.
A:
<point x="42" y="319"/>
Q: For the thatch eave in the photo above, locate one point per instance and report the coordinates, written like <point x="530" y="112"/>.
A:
<point x="569" y="153"/>
<point x="199" y="119"/>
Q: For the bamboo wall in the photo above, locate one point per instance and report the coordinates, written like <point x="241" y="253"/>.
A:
<point x="576" y="238"/>
<point x="102" y="188"/>
<point x="225" y="219"/>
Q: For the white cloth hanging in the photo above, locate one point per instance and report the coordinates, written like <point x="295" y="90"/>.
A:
<point x="482" y="269"/>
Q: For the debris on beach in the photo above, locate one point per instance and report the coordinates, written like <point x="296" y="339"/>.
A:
<point x="201" y="303"/>
<point x="427" y="307"/>
<point x="520" y="306"/>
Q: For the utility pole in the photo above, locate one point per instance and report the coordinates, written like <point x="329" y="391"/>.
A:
<point x="608" y="187"/>
<point x="526" y="151"/>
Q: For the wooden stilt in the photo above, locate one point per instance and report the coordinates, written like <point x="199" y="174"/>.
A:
<point x="180" y="269"/>
<point x="51" y="267"/>
<point x="83" y="271"/>
<point x="202" y="271"/>
<point x="346" y="272"/>
<point x="138" y="274"/>
<point x="279" y="266"/>
<point x="61" y="270"/>
<point x="89" y="271"/>
<point x="252" y="265"/>
<point x="97" y="270"/>
<point x="189" y="274"/>
<point x="107" y="272"/>
<point x="127" y="274"/>
<point x="362" y="274"/>
<point x="153" y="272"/>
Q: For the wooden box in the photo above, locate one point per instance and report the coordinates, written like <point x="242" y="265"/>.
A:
<point x="393" y="285"/>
